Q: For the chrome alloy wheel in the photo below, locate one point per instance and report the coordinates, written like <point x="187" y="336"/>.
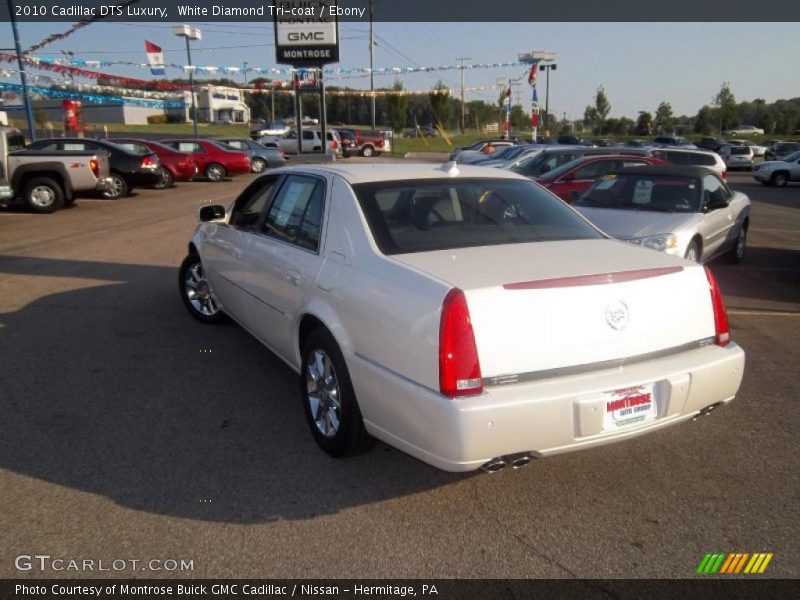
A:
<point x="323" y="394"/>
<point x="196" y="290"/>
<point x="42" y="196"/>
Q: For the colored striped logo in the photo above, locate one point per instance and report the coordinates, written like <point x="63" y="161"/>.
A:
<point x="734" y="562"/>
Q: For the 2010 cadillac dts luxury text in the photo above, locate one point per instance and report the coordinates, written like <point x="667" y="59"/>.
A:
<point x="467" y="317"/>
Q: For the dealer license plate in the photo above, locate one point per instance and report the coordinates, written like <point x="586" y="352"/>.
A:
<point x="629" y="407"/>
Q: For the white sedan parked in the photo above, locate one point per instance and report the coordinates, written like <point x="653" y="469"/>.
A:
<point x="463" y="315"/>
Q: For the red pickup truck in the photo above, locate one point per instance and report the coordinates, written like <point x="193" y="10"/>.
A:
<point x="369" y="142"/>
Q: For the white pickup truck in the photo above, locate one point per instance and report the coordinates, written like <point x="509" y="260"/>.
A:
<point x="48" y="181"/>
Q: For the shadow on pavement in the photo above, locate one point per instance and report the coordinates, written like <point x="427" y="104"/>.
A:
<point x="765" y="274"/>
<point x="114" y="389"/>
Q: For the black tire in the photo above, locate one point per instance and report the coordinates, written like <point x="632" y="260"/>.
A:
<point x="69" y="202"/>
<point x="119" y="187"/>
<point x="693" y="251"/>
<point x="367" y="151"/>
<point x="351" y="436"/>
<point x="167" y="180"/>
<point x="779" y="179"/>
<point x="258" y="165"/>
<point x="184" y="274"/>
<point x="215" y="172"/>
<point x="737" y="253"/>
<point x="43" y="195"/>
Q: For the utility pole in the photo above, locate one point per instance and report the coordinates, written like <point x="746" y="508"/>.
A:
<point x="22" y="75"/>
<point x="461" y="60"/>
<point x="371" y="61"/>
<point x="244" y="72"/>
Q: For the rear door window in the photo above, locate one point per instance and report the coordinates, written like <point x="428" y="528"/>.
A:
<point x="295" y="215"/>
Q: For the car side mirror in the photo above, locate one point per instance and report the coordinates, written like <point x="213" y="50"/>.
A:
<point x="214" y="212"/>
<point x="717" y="202"/>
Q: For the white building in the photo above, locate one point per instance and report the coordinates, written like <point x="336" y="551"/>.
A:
<point x="216" y="104"/>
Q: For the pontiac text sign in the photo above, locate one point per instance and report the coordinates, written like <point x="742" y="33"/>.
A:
<point x="306" y="32"/>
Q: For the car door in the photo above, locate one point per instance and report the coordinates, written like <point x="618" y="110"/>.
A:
<point x="284" y="260"/>
<point x="717" y="227"/>
<point x="225" y="245"/>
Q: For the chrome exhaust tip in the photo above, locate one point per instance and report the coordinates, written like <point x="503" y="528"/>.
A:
<point x="520" y="461"/>
<point x="494" y="465"/>
<point x="706" y="411"/>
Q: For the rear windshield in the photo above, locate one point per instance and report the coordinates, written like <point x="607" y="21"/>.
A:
<point x="694" y="159"/>
<point x="740" y="150"/>
<point x="656" y="193"/>
<point x="440" y="214"/>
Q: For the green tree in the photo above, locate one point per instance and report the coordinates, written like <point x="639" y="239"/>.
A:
<point x="702" y="122"/>
<point x="440" y="104"/>
<point x="397" y="105"/>
<point x="644" y="123"/>
<point x="665" y="120"/>
<point x="725" y="103"/>
<point x="519" y="119"/>
<point x="601" y="108"/>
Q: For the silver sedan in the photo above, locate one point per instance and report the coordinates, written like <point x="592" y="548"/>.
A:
<point x="683" y="211"/>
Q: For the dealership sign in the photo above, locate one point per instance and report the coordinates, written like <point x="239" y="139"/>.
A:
<point x="306" y="32"/>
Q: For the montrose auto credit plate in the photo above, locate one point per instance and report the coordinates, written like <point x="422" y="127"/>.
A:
<point x="629" y="407"/>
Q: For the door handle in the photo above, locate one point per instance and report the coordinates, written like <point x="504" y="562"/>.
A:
<point x="293" y="277"/>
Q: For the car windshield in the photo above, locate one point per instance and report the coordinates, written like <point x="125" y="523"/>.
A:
<point x="439" y="214"/>
<point x="792" y="157"/>
<point x="788" y="147"/>
<point x="504" y="152"/>
<point x="633" y="191"/>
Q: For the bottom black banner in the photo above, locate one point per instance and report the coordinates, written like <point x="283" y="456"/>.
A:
<point x="443" y="589"/>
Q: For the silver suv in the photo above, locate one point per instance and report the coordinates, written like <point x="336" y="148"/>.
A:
<point x="312" y="141"/>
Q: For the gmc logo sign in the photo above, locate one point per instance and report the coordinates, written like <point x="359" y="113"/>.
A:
<point x="316" y="36"/>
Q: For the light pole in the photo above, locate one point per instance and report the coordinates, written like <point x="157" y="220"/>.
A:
<point x="547" y="67"/>
<point x="461" y="60"/>
<point x="372" y="63"/>
<point x="189" y="33"/>
<point x="244" y="72"/>
<point x="22" y="75"/>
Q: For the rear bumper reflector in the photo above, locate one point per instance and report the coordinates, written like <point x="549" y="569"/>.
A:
<point x="596" y="279"/>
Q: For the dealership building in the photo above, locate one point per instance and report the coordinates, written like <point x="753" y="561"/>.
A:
<point x="215" y="104"/>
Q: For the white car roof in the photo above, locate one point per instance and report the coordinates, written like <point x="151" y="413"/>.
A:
<point x="366" y="173"/>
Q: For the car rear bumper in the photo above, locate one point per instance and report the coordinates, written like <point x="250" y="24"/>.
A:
<point x="542" y="417"/>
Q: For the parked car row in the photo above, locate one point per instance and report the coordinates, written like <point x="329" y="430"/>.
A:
<point x="49" y="174"/>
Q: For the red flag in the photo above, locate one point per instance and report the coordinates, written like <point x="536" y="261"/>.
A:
<point x="532" y="74"/>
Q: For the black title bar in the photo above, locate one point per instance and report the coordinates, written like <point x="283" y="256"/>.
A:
<point x="735" y="588"/>
<point x="443" y="11"/>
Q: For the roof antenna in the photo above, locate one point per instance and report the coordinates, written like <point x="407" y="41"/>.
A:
<point x="451" y="168"/>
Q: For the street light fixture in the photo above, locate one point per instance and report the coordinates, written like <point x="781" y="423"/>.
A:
<point x="547" y="67"/>
<point x="189" y="33"/>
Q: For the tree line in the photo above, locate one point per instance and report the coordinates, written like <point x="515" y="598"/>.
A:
<point x="439" y="108"/>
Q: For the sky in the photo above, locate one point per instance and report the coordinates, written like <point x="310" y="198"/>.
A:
<point x="639" y="64"/>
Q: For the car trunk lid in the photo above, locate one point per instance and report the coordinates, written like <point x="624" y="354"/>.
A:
<point x="552" y="305"/>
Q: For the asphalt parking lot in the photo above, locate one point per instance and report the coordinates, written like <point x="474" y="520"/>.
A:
<point x="131" y="431"/>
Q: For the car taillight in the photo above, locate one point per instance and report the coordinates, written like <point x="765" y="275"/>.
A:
<point x="722" y="331"/>
<point x="334" y="145"/>
<point x="95" y="167"/>
<point x="148" y="162"/>
<point x="459" y="368"/>
<point x="379" y="143"/>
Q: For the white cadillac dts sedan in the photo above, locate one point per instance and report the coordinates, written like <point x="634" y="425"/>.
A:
<point x="463" y="315"/>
